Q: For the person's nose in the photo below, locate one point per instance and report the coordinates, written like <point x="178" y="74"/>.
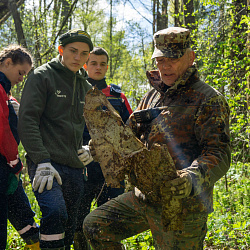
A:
<point x="167" y="64"/>
<point x="77" y="56"/>
<point x="98" y="66"/>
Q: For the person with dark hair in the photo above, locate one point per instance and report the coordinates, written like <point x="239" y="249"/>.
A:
<point x="15" y="63"/>
<point x="193" y="125"/>
<point x="94" y="182"/>
<point x="51" y="128"/>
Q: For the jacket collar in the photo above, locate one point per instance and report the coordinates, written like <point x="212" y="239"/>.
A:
<point x="100" y="84"/>
<point x="4" y="81"/>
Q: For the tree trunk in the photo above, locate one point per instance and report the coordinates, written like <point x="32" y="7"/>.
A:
<point x="163" y="20"/>
<point x="189" y="20"/>
<point x="176" y="12"/>
<point x="66" y="4"/>
<point x="110" y="37"/>
<point x="18" y="23"/>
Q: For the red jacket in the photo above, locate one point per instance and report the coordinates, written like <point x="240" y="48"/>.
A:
<point x="8" y="144"/>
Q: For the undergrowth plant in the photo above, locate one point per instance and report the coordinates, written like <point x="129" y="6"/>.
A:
<point x="228" y="225"/>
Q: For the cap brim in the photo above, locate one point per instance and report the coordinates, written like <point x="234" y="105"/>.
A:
<point x="169" y="53"/>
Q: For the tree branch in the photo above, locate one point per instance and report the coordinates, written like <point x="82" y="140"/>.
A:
<point x="8" y="14"/>
<point x="62" y="25"/>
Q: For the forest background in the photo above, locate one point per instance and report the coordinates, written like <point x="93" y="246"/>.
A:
<point x="221" y="40"/>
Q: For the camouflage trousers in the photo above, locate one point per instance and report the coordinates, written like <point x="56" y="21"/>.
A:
<point x="126" y="215"/>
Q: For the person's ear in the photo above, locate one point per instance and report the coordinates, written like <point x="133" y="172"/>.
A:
<point x="60" y="49"/>
<point x="191" y="58"/>
<point x="8" y="61"/>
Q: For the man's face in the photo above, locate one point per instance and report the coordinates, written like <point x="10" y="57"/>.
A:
<point x="97" y="66"/>
<point x="172" y="68"/>
<point x="74" y="55"/>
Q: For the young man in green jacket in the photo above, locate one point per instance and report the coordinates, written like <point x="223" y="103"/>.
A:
<point x="51" y="128"/>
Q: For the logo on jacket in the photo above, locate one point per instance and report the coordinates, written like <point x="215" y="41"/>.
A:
<point x="58" y="94"/>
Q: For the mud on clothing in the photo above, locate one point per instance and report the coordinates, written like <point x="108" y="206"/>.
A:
<point x="195" y="128"/>
<point x="94" y="181"/>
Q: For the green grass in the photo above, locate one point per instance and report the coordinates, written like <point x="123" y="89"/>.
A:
<point x="228" y="225"/>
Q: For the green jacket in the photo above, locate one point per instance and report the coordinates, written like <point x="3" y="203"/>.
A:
<point x="51" y="121"/>
<point x="195" y="128"/>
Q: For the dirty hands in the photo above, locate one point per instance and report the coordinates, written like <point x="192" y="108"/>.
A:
<point x="45" y="173"/>
<point x="179" y="187"/>
<point x="84" y="155"/>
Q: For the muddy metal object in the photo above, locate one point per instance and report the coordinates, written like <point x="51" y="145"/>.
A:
<point x="120" y="153"/>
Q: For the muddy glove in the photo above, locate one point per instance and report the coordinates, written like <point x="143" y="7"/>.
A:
<point x="180" y="187"/>
<point x="45" y="173"/>
<point x="84" y="155"/>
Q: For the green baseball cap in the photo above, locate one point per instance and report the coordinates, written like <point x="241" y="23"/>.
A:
<point x="171" y="42"/>
<point x="75" y="35"/>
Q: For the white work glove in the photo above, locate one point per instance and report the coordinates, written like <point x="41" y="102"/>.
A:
<point x="180" y="187"/>
<point x="84" y="155"/>
<point x="45" y="173"/>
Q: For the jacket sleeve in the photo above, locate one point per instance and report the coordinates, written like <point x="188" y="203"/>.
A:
<point x="212" y="133"/>
<point x="32" y="105"/>
<point x="8" y="144"/>
<point x="126" y="109"/>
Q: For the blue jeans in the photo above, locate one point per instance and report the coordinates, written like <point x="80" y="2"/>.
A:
<point x="16" y="208"/>
<point x="59" y="206"/>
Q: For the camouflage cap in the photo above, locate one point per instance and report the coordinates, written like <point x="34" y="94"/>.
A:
<point x="171" y="42"/>
<point x="75" y="35"/>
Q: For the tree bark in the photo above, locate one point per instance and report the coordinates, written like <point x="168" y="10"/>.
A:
<point x="18" y="23"/>
<point x="189" y="20"/>
<point x="163" y="20"/>
<point x="176" y="11"/>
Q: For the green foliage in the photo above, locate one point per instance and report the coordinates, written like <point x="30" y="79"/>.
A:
<point x="229" y="224"/>
<point x="219" y="39"/>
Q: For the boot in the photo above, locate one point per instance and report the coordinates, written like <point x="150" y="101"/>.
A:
<point x="35" y="246"/>
<point x="80" y="242"/>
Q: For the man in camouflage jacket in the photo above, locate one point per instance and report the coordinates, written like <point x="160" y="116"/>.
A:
<point x="195" y="128"/>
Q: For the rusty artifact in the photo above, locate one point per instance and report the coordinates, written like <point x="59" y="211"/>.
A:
<point x="121" y="153"/>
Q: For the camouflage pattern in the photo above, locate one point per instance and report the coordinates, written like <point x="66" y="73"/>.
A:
<point x="126" y="215"/>
<point x="171" y="42"/>
<point x="195" y="128"/>
<point x="120" y="152"/>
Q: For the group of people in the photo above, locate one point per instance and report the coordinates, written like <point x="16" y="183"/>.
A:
<point x="64" y="176"/>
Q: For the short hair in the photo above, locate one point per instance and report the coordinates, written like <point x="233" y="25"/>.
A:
<point x="17" y="53"/>
<point x="100" y="51"/>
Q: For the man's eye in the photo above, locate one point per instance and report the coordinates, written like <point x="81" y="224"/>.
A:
<point x="159" y="61"/>
<point x="74" y="51"/>
<point x="174" y="60"/>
